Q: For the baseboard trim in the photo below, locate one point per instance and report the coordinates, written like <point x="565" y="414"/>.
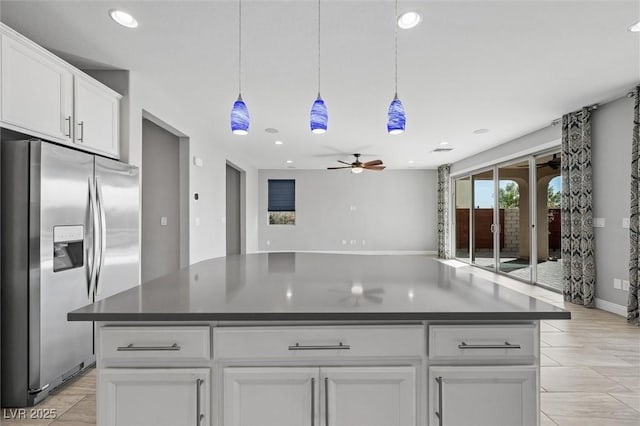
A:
<point x="363" y="252"/>
<point x="614" y="308"/>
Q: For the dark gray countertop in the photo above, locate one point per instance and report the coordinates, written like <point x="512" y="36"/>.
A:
<point x="319" y="287"/>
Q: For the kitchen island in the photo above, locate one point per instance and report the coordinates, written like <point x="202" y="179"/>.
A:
<point x="318" y="339"/>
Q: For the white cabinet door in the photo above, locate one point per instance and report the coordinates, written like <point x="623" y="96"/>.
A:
<point x="96" y="117"/>
<point x="368" y="396"/>
<point x="270" y="396"/>
<point x="483" y="396"/>
<point x="154" y="397"/>
<point x="37" y="92"/>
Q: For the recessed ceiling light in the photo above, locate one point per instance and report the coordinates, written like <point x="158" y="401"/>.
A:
<point x="635" y="28"/>
<point x="480" y="131"/>
<point x="271" y="130"/>
<point x="289" y="161"/>
<point x="123" y="18"/>
<point x="409" y="20"/>
<point x="278" y="142"/>
<point x="444" y="143"/>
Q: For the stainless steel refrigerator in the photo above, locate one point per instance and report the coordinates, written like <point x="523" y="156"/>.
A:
<point x="70" y="236"/>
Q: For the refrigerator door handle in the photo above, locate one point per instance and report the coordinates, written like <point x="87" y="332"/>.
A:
<point x="95" y="236"/>
<point x="103" y="231"/>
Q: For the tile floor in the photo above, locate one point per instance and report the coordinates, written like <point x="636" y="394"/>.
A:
<point x="590" y="370"/>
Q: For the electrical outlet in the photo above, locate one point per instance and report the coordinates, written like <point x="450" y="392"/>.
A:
<point x="353" y="242"/>
<point x="268" y="242"/>
<point x="364" y="242"/>
<point x="197" y="221"/>
<point x="617" y="284"/>
<point x="625" y="285"/>
<point x="344" y="242"/>
<point x="197" y="161"/>
<point x="599" y="222"/>
<point x="163" y="221"/>
<point x="353" y="208"/>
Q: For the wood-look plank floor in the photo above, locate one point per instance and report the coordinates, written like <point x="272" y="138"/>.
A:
<point x="590" y="371"/>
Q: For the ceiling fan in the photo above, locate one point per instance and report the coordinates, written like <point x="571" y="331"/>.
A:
<point x="358" y="166"/>
<point x="554" y="163"/>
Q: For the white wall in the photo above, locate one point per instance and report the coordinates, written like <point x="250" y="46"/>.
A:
<point x="612" y="124"/>
<point x="612" y="127"/>
<point x="395" y="210"/>
<point x="208" y="239"/>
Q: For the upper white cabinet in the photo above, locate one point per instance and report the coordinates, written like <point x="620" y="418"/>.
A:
<point x="37" y="92"/>
<point x="45" y="97"/>
<point x="96" y="117"/>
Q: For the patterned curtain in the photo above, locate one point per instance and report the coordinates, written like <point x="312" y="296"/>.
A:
<point x="444" y="249"/>
<point x="578" y="261"/>
<point x="633" y="315"/>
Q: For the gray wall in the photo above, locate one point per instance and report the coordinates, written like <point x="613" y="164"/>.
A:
<point x="392" y="210"/>
<point x="233" y="219"/>
<point x="612" y="126"/>
<point x="160" y="197"/>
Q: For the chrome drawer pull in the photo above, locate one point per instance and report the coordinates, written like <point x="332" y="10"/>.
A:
<point x="199" y="415"/>
<point x="506" y="345"/>
<point x="299" y="347"/>
<point x="130" y="347"/>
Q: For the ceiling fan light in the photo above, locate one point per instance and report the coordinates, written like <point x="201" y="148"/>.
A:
<point x="319" y="116"/>
<point x="396" y="117"/>
<point x="239" y="117"/>
<point x="356" y="170"/>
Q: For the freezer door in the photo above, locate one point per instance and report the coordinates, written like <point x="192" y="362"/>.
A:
<point x="60" y="264"/>
<point x="118" y="196"/>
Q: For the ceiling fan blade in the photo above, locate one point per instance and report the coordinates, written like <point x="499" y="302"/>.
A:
<point x="375" y="168"/>
<point x="344" y="162"/>
<point x="336" y="168"/>
<point x="373" y="163"/>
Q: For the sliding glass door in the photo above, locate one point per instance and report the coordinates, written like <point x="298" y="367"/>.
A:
<point x="483" y="222"/>
<point x="513" y="204"/>
<point x="507" y="219"/>
<point x="548" y="185"/>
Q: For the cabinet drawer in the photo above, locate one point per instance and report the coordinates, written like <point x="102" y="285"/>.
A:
<point x="130" y="344"/>
<point x="339" y="342"/>
<point x="483" y="343"/>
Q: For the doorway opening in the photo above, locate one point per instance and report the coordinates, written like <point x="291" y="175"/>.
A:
<point x="165" y="204"/>
<point x="235" y="209"/>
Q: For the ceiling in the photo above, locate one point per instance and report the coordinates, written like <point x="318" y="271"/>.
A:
<point x="508" y="66"/>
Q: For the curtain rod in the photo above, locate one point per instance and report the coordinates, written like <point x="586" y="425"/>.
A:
<point x="593" y="107"/>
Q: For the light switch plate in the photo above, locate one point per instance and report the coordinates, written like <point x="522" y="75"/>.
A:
<point x="625" y="285"/>
<point x="163" y="221"/>
<point x="197" y="221"/>
<point x="626" y="222"/>
<point x="197" y="161"/>
<point x="617" y="283"/>
<point x="598" y="222"/>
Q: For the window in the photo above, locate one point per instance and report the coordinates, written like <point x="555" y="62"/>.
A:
<point x="282" y="202"/>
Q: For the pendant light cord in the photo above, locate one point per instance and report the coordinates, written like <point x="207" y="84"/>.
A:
<point x="318" y="48"/>
<point x="395" y="26"/>
<point x="240" y="47"/>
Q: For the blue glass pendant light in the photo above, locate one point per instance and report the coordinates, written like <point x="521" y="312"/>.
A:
<point x="240" y="112"/>
<point x="240" y="117"/>
<point x="319" y="116"/>
<point x="397" y="119"/>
